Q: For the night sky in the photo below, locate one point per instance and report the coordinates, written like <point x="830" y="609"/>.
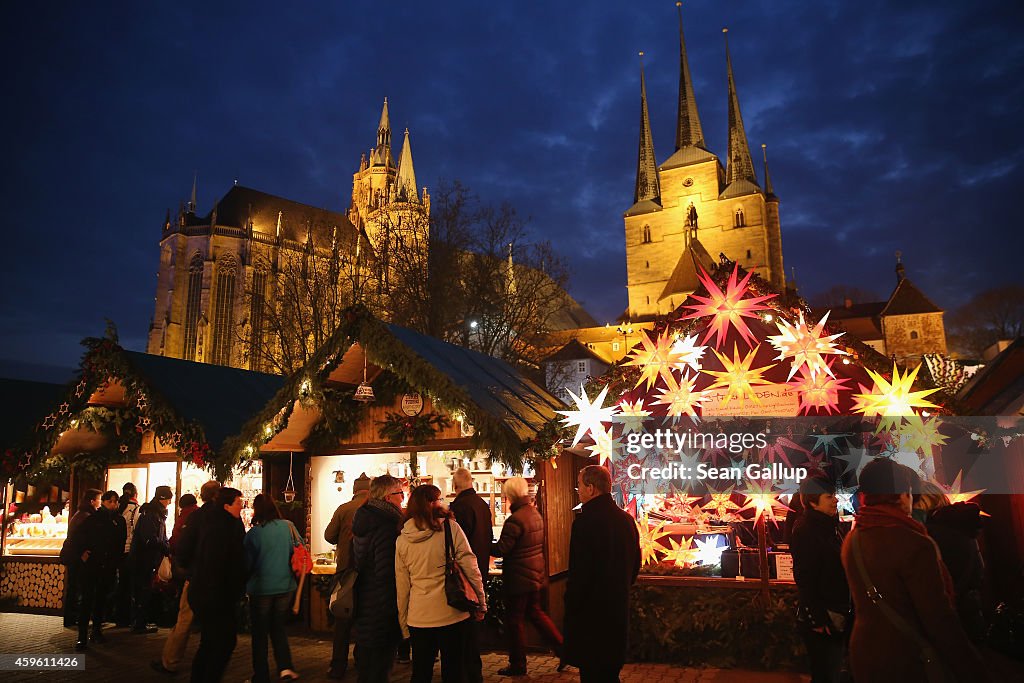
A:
<point x="889" y="126"/>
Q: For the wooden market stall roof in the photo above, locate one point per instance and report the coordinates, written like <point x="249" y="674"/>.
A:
<point x="506" y="409"/>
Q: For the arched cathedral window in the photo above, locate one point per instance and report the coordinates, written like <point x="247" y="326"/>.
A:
<point x="740" y="221"/>
<point x="913" y="334"/>
<point x="223" y="309"/>
<point x="257" y="313"/>
<point x="195" y="293"/>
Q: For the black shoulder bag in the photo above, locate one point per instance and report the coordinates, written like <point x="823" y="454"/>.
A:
<point x="935" y="670"/>
<point x="457" y="588"/>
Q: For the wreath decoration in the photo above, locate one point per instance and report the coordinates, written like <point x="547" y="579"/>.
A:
<point x="399" y="429"/>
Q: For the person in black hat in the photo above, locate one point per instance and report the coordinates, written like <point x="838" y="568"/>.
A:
<point x="149" y="547"/>
<point x="339" y="534"/>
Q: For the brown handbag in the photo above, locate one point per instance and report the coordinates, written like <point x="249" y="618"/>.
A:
<point x="457" y="588"/>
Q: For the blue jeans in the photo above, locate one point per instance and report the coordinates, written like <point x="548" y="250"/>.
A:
<point x="269" y="614"/>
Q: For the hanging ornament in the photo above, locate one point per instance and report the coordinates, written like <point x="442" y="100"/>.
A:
<point x="775" y="450"/>
<point x="655" y="358"/>
<point x="806" y="346"/>
<point x="632" y="416"/>
<point x="364" y="392"/>
<point x="80" y="389"/>
<point x="49" y="421"/>
<point x="589" y="416"/>
<point x="844" y="499"/>
<point x="123" y="448"/>
<point x="726" y="309"/>
<point x="604" y="446"/>
<point x="708" y="550"/>
<point x="688" y="353"/>
<point x="721" y="504"/>
<point x="954" y="493"/>
<point x="289" y="486"/>
<point x="763" y="500"/>
<point x="680" y="397"/>
<point x="141" y="402"/>
<point x="738" y="377"/>
<point x="63" y="410"/>
<point x="174" y="440"/>
<point x="649" y="537"/>
<point x="819" y="391"/>
<point x="918" y="433"/>
<point x="893" y="399"/>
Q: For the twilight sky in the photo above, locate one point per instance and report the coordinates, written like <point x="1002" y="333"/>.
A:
<point x="889" y="126"/>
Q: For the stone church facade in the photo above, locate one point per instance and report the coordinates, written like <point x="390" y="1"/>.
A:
<point x="208" y="262"/>
<point x="692" y="197"/>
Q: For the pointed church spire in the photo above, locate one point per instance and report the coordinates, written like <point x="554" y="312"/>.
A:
<point x="688" y="130"/>
<point x="740" y="166"/>
<point x="192" y="202"/>
<point x="405" y="180"/>
<point x="381" y="154"/>
<point x="767" y="178"/>
<point x="647" y="186"/>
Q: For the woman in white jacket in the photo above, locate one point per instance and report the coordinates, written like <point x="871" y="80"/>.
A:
<point x="423" y="610"/>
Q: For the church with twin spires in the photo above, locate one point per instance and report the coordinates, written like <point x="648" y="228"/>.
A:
<point x="691" y="209"/>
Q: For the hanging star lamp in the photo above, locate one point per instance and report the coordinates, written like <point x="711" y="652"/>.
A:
<point x="738" y="378"/>
<point x="726" y="309"/>
<point x="893" y="399"/>
<point x="588" y="416"/>
<point x="805" y="345"/>
<point x="819" y="391"/>
<point x="655" y="358"/>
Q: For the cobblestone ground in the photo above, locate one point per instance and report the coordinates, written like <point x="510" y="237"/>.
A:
<point x="126" y="657"/>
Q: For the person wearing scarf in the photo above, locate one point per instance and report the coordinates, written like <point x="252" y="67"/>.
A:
<point x="904" y="566"/>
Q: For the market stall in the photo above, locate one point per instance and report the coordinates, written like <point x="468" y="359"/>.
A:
<point x="127" y="416"/>
<point x="378" y="399"/>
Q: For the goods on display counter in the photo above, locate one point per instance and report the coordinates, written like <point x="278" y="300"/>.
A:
<point x="38" y="534"/>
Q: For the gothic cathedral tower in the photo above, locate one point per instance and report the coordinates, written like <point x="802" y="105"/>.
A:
<point x="690" y="207"/>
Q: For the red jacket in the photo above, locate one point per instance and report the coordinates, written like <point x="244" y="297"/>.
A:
<point x="179" y="522"/>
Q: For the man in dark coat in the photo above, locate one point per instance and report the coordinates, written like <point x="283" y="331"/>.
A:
<point x="904" y="614"/>
<point x="824" y="597"/>
<point x="149" y="547"/>
<point x="339" y="534"/>
<point x="473" y="514"/>
<point x="73" y="561"/>
<point x="218" y="584"/>
<point x="183" y="551"/>
<point x="524" y="574"/>
<point x="604" y="561"/>
<point x="375" y="529"/>
<point x="97" y="544"/>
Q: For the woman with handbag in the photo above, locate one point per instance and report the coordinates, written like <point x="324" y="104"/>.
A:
<point x="434" y="569"/>
<point x="268" y="552"/>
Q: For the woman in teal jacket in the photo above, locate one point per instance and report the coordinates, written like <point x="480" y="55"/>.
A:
<point x="268" y="551"/>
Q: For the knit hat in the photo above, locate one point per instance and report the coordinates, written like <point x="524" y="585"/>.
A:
<point x="163" y="493"/>
<point x="362" y="483"/>
<point x="884" y="476"/>
<point x="188" y="500"/>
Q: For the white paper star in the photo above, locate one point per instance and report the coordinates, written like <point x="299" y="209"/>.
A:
<point x="589" y="416"/>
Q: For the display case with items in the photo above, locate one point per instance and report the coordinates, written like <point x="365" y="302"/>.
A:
<point x="38" y="534"/>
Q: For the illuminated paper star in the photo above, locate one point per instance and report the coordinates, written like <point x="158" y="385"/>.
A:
<point x="954" y="493"/>
<point x="680" y="397"/>
<point x="688" y="353"/>
<point x="604" y="446"/>
<point x="708" y="550"/>
<point x="844" y="499"/>
<point x="738" y="377"/>
<point x="819" y="391"/>
<point x="805" y="345"/>
<point x="632" y="416"/>
<point x="893" y="399"/>
<point x="588" y="416"/>
<point x="763" y="500"/>
<point x="721" y="504"/>
<point x="727" y="308"/>
<point x="649" y="537"/>
<point x="918" y="433"/>
<point x="655" y="358"/>
<point x="908" y="459"/>
<point x="681" y="554"/>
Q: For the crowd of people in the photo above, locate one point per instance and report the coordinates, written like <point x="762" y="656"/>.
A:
<point x="116" y="548"/>
<point x="897" y="599"/>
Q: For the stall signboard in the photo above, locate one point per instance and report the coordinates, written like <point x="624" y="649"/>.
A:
<point x="772" y="400"/>
<point x="412" y="404"/>
<point x="783" y="566"/>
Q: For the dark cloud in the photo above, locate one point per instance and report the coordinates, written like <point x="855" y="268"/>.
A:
<point x="889" y="126"/>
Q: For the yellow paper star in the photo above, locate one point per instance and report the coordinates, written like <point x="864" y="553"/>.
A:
<point x="655" y="359"/>
<point x="604" y="445"/>
<point x="632" y="416"/>
<point x="893" y="399"/>
<point x="681" y="554"/>
<point x="738" y="377"/>
<point x="680" y="397"/>
<point x="918" y="433"/>
<point x="819" y="390"/>
<point x="805" y="345"/>
<point x="727" y="308"/>
<point x="721" y="504"/>
<point x="649" y="537"/>
<point x="955" y="495"/>
<point x="588" y="416"/>
<point x="763" y="500"/>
